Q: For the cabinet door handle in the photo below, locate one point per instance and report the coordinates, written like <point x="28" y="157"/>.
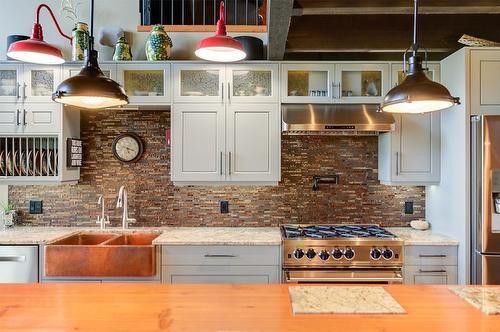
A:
<point x="431" y="271"/>
<point x="340" y="90"/>
<point x="24" y="91"/>
<point x="229" y="167"/>
<point x="220" y="256"/>
<point x="12" y="258"/>
<point x="18" y="94"/>
<point x="221" y="163"/>
<point x="397" y="163"/>
<point x="17" y="117"/>
<point x="432" y="256"/>
<point x="228" y="91"/>
<point x="24" y="117"/>
<point x="222" y="91"/>
<point x="333" y="90"/>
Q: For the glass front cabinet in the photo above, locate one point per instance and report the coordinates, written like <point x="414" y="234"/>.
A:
<point x="199" y="83"/>
<point x="145" y="83"/>
<point x="398" y="75"/>
<point x="252" y="83"/>
<point x="108" y="69"/>
<point x="334" y="83"/>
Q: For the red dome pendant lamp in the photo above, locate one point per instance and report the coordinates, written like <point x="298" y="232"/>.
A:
<point x="35" y="49"/>
<point x="221" y="47"/>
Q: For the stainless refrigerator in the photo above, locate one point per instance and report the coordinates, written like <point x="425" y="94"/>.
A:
<point x="485" y="199"/>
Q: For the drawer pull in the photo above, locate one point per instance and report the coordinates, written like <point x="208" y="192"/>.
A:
<point x="220" y="256"/>
<point x="432" y="256"/>
<point x="431" y="271"/>
<point x="12" y="258"/>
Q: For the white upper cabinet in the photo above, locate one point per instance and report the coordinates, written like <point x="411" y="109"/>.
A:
<point x="410" y="155"/>
<point x="253" y="142"/>
<point x="252" y="83"/>
<point x="307" y="83"/>
<point x="10" y="119"/>
<point x="361" y="83"/>
<point x="398" y="75"/>
<point x="11" y="83"/>
<point x="199" y="83"/>
<point x="198" y="142"/>
<point x="145" y="83"/>
<point x="40" y="82"/>
<point x="108" y="69"/>
<point x="485" y="79"/>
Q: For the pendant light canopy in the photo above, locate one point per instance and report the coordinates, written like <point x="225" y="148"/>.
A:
<point x="221" y="47"/>
<point x="417" y="93"/>
<point x="35" y="49"/>
<point x="90" y="88"/>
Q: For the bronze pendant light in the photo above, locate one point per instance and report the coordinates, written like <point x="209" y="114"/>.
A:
<point x="90" y="88"/>
<point x="417" y="93"/>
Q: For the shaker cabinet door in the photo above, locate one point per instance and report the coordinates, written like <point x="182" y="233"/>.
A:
<point x="40" y="82"/>
<point x="198" y="142"/>
<point x="253" y="142"/>
<point x="10" y="119"/>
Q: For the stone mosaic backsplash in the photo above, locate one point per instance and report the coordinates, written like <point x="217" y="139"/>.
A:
<point x="154" y="201"/>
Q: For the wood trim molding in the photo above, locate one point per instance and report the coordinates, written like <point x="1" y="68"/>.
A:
<point x="206" y="28"/>
<point x="425" y="10"/>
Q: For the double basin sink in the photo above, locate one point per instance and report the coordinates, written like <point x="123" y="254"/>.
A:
<point x="89" y="254"/>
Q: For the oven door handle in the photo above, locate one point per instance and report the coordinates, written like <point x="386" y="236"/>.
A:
<point x="396" y="279"/>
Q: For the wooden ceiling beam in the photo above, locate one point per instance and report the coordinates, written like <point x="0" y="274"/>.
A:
<point x="423" y="10"/>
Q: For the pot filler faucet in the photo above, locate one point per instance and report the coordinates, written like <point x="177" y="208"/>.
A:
<point x="122" y="202"/>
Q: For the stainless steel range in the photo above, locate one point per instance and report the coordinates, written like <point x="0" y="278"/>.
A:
<point x="341" y="254"/>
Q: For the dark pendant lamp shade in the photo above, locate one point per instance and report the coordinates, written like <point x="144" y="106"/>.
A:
<point x="417" y="93"/>
<point x="90" y="88"/>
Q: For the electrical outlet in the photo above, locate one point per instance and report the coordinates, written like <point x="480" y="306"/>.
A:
<point x="224" y="206"/>
<point x="409" y="207"/>
<point x="36" y="206"/>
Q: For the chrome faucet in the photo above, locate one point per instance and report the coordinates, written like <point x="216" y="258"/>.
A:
<point x="102" y="220"/>
<point x="122" y="202"/>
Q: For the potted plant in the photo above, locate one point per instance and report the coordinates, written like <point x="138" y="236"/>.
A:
<point x="10" y="213"/>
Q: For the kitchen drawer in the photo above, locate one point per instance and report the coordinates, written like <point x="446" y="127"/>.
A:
<point x="431" y="275"/>
<point x="221" y="255"/>
<point x="215" y="274"/>
<point x="18" y="264"/>
<point x="430" y="255"/>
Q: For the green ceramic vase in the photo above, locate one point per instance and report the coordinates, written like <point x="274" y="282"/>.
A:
<point x="158" y="44"/>
<point x="80" y="41"/>
<point x="122" y="50"/>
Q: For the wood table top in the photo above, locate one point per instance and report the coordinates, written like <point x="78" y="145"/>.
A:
<point x="155" y="307"/>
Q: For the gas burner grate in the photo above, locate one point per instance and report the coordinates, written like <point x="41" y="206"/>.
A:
<point x="335" y="231"/>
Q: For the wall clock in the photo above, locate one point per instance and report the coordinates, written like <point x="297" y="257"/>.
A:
<point x="127" y="147"/>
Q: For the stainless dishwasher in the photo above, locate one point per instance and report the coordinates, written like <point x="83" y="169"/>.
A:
<point x="18" y="264"/>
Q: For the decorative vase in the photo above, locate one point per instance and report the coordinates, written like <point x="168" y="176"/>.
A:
<point x="10" y="218"/>
<point x="80" y="41"/>
<point x="158" y="44"/>
<point x="122" y="50"/>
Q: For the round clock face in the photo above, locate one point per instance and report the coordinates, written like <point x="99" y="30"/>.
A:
<point x="127" y="147"/>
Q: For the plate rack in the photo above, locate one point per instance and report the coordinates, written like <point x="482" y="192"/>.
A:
<point x="29" y="156"/>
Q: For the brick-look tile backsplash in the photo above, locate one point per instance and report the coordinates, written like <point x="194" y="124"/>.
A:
<point x="154" y="201"/>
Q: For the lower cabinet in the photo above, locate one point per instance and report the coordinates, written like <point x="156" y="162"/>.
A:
<point x="435" y="265"/>
<point x="18" y="264"/>
<point x="221" y="264"/>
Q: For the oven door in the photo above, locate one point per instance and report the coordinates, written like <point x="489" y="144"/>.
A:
<point x="343" y="276"/>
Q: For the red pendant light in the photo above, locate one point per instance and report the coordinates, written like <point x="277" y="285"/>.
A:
<point x="35" y="49"/>
<point x="221" y="47"/>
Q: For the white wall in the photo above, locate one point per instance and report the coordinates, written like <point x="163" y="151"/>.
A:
<point x="447" y="203"/>
<point x="17" y="17"/>
<point x="4" y="194"/>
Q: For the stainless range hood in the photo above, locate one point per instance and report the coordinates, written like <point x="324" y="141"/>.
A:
<point x="340" y="119"/>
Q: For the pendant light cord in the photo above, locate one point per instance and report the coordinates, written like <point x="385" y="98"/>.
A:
<point x="414" y="46"/>
<point x="91" y="37"/>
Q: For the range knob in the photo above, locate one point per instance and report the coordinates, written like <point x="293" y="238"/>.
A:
<point x="337" y="253"/>
<point x="387" y="253"/>
<point x="310" y="253"/>
<point x="324" y="255"/>
<point x="298" y="253"/>
<point x="375" y="253"/>
<point x="349" y="253"/>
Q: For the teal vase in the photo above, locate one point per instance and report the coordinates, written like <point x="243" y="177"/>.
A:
<point x="158" y="44"/>
<point x="122" y="50"/>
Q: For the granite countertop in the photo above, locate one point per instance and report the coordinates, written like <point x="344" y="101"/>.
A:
<point x="415" y="237"/>
<point x="220" y="236"/>
<point x="343" y="300"/>
<point x="169" y="235"/>
<point x="486" y="299"/>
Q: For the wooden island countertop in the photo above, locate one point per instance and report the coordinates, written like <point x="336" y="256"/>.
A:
<point x="153" y="307"/>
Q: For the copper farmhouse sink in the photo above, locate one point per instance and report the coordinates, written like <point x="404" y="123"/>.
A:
<point x="102" y="255"/>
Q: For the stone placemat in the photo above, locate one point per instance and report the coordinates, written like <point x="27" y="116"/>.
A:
<point x="486" y="299"/>
<point x="343" y="300"/>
